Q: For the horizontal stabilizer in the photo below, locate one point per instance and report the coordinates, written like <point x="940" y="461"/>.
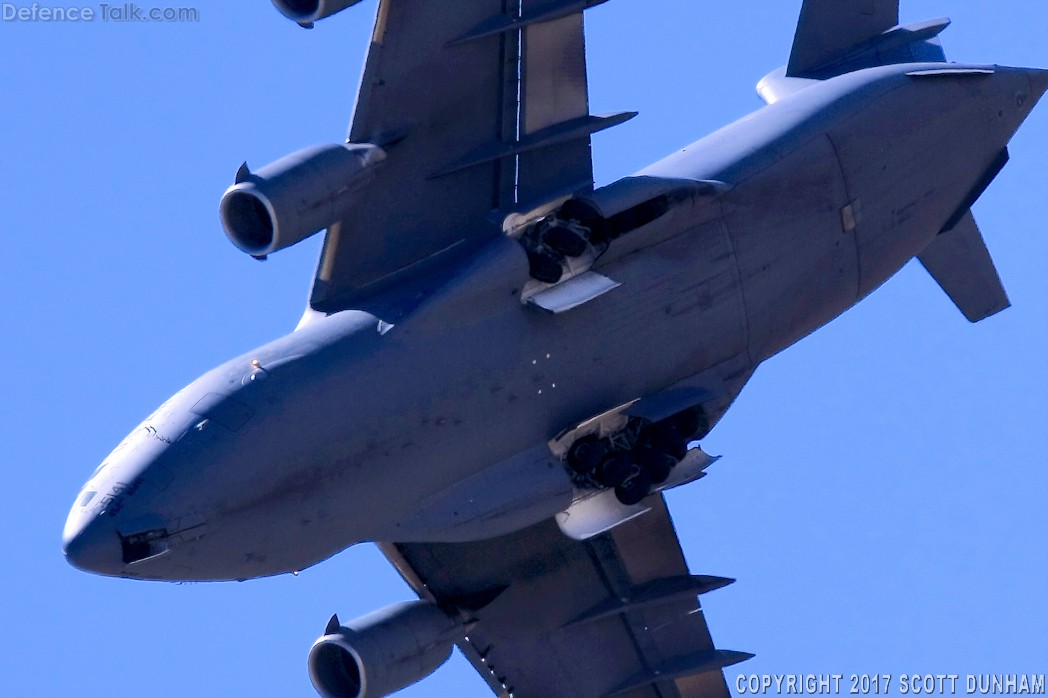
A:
<point x="960" y="263"/>
<point x="835" y="37"/>
<point x="828" y="30"/>
<point x="817" y="57"/>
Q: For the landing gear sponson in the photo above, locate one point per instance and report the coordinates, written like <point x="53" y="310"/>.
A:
<point x="631" y="454"/>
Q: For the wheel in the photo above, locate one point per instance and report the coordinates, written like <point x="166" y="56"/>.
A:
<point x="663" y="437"/>
<point x="582" y="213"/>
<point x="655" y="463"/>
<point x="586" y="454"/>
<point x="690" y="423"/>
<point x="565" y="241"/>
<point x="634" y="489"/>
<point x="614" y="469"/>
<point x="544" y="267"/>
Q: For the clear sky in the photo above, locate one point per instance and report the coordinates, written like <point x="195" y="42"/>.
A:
<point x="882" y="493"/>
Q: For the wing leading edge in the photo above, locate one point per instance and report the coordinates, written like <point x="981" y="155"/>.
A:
<point x="479" y="105"/>
<point x="616" y="615"/>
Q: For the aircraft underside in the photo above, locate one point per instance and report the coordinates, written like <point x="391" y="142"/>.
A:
<point x="535" y="382"/>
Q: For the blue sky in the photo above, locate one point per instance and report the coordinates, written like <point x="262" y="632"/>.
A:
<point x="882" y="493"/>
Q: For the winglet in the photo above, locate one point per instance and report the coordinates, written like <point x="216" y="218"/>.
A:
<point x="333" y="625"/>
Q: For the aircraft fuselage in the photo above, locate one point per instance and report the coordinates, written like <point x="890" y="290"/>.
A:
<point x="430" y="424"/>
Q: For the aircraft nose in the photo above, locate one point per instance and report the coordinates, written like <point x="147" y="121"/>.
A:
<point x="90" y="543"/>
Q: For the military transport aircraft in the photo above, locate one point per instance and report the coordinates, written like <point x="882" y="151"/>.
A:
<point x="497" y="356"/>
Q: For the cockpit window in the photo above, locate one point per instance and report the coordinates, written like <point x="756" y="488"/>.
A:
<point x="86" y="499"/>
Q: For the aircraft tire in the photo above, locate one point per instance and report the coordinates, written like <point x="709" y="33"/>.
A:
<point x="634" y="489"/>
<point x="663" y="437"/>
<point x="690" y="424"/>
<point x="614" y="469"/>
<point x="586" y="454"/>
<point x="656" y="464"/>
<point x="565" y="241"/>
<point x="543" y="267"/>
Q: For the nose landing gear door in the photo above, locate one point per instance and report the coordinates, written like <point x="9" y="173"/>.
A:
<point x="151" y="537"/>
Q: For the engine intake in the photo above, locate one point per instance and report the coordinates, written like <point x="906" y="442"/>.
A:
<point x="305" y="12"/>
<point x="293" y="198"/>
<point x="382" y="652"/>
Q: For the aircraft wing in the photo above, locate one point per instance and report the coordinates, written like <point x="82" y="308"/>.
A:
<point x="480" y="106"/>
<point x="616" y="615"/>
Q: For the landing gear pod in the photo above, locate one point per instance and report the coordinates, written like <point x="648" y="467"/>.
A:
<point x="289" y="200"/>
<point x="382" y="652"/>
<point x="305" y="12"/>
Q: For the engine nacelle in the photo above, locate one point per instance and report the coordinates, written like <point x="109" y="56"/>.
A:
<point x="382" y="652"/>
<point x="305" y="12"/>
<point x="289" y="200"/>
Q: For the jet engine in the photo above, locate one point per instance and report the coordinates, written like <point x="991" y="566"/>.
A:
<point x="289" y="200"/>
<point x="305" y="12"/>
<point x="382" y="652"/>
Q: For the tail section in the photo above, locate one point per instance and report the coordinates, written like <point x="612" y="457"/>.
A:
<point x="829" y="30"/>
<point x="835" y="37"/>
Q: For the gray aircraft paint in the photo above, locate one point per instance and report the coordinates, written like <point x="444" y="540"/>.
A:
<point x="343" y="430"/>
<point x="416" y="408"/>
